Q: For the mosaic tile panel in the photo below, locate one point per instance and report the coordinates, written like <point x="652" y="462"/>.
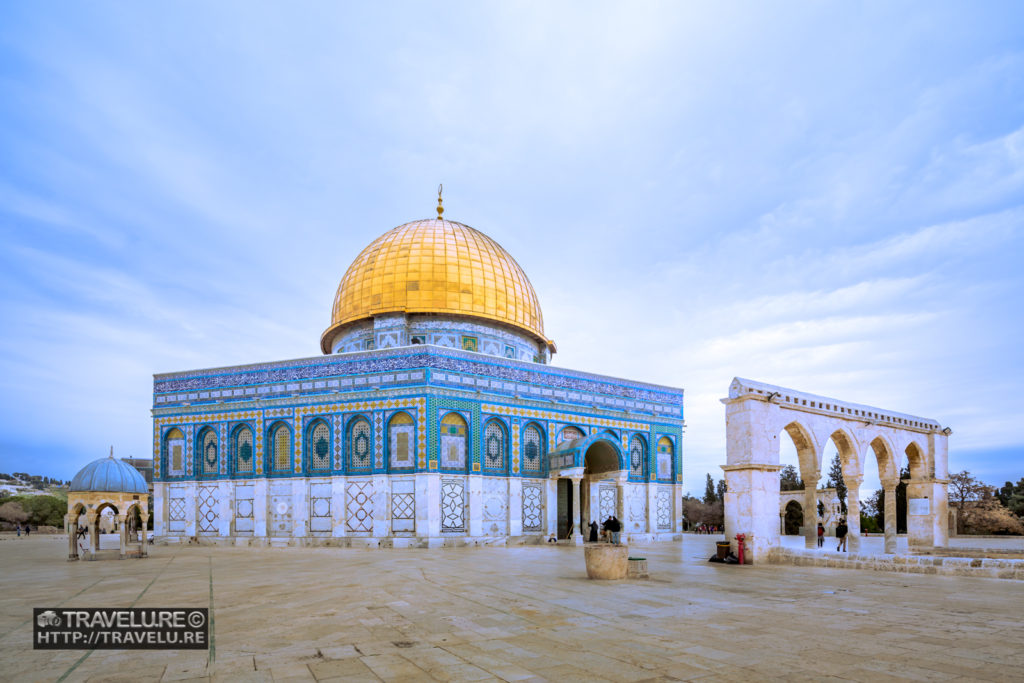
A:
<point x="359" y="510"/>
<point x="207" y="515"/>
<point x="360" y="444"/>
<point x="320" y="446"/>
<point x="453" y="505"/>
<point x="378" y="440"/>
<point x="532" y="449"/>
<point x="338" y="440"/>
<point x="533" y="507"/>
<point x="223" y="448"/>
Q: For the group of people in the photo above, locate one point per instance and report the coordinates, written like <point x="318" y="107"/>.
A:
<point x="707" y="529"/>
<point x="841" y="532"/>
<point x="611" y="531"/>
<point x="27" y="528"/>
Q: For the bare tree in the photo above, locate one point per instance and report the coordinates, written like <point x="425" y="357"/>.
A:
<point x="12" y="512"/>
<point x="965" y="489"/>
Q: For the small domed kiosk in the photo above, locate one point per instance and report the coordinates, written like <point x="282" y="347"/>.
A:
<point x="102" y="484"/>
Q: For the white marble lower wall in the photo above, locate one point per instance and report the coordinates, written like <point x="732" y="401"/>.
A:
<point x="391" y="510"/>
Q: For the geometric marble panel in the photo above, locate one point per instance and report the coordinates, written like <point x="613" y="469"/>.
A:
<point x="360" y="506"/>
<point x="533" y="508"/>
<point x="244" y="510"/>
<point x="664" y="509"/>
<point x="279" y="519"/>
<point x="320" y="508"/>
<point x="606" y="495"/>
<point x="206" y="517"/>
<point x="495" y="503"/>
<point x="176" y="511"/>
<point x="403" y="506"/>
<point x="453" y="505"/>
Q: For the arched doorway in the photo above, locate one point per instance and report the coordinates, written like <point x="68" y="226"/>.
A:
<point x="793" y="519"/>
<point x="590" y="473"/>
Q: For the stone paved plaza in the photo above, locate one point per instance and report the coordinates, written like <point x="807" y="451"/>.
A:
<point x="522" y="613"/>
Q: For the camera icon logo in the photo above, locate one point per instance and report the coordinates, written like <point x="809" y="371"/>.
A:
<point x="48" y="618"/>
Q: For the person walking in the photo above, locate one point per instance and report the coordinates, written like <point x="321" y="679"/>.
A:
<point x="841" y="532"/>
<point x="593" y="532"/>
<point x="821" y="535"/>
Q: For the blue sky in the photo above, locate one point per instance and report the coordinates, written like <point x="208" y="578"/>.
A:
<point x="826" y="196"/>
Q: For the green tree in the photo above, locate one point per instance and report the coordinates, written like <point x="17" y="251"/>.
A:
<point x="836" y="481"/>
<point x="789" y="479"/>
<point x="720" y="491"/>
<point x="709" y="491"/>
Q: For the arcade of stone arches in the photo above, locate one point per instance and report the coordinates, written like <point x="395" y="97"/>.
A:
<point x="756" y="416"/>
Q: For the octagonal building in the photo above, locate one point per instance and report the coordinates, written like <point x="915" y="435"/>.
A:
<point x="433" y="418"/>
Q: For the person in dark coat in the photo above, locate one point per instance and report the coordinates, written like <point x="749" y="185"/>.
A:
<point x="615" y="527"/>
<point x="841" y="532"/>
<point x="593" y="532"/>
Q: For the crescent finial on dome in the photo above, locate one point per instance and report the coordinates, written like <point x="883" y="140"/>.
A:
<point x="440" y="203"/>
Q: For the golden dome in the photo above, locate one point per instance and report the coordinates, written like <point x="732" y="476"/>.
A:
<point x="436" y="266"/>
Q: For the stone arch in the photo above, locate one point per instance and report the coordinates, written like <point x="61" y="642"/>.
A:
<point x="917" y="461"/>
<point x="885" y="457"/>
<point x="793" y="518"/>
<point x="756" y="413"/>
<point x="601" y="456"/>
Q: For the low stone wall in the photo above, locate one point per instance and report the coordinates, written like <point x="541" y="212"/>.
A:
<point x="989" y="568"/>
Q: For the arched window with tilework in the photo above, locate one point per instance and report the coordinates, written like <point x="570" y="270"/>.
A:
<point x="280" y="448"/>
<point x="666" y="458"/>
<point x="637" y="456"/>
<point x="453" y="441"/>
<point x="533" y="448"/>
<point x="360" y="444"/>
<point x="401" y="440"/>
<point x="243" y="449"/>
<point x="208" y="451"/>
<point x="318" y="445"/>
<point x="174" y="447"/>
<point x="495" y="445"/>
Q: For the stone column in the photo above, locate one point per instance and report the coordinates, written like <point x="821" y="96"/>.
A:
<point x="853" y="513"/>
<point x="620" y="501"/>
<point x="338" y="514"/>
<point x="651" y="490"/>
<point x="159" y="509"/>
<point x="890" y="516"/>
<point x="811" y="512"/>
<point x="72" y="531"/>
<point x="94" y="535"/>
<point x="144" y="540"/>
<point x="550" y="508"/>
<point x="260" y="503"/>
<point x="577" y="535"/>
<point x="123" y="528"/>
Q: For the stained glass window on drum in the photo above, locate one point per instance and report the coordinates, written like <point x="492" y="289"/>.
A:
<point x="359" y="444"/>
<point x="532" y="449"/>
<point x="494" y="445"/>
<point x="243" y="450"/>
<point x="209" y="452"/>
<point x="637" y="456"/>
<point x="320" y="447"/>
